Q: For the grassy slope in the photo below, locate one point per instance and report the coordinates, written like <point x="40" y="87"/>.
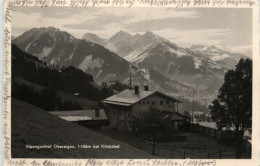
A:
<point x="34" y="126"/>
<point x="83" y="102"/>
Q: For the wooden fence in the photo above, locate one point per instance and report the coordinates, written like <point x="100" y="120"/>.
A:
<point x="226" y="134"/>
<point x="190" y="151"/>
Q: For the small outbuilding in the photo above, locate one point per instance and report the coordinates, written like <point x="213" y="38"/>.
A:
<point x="92" y="118"/>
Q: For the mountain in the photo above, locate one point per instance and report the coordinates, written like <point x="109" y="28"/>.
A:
<point x="66" y="79"/>
<point x="60" y="48"/>
<point x="156" y="61"/>
<point x="121" y="43"/>
<point x="224" y="58"/>
<point x="94" y="39"/>
<point x="131" y="47"/>
<point x="199" y="65"/>
<point x="152" y="51"/>
<point x="57" y="47"/>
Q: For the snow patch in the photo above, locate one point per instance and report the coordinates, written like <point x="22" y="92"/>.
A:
<point x="178" y="53"/>
<point x="109" y="76"/>
<point x="147" y="75"/>
<point x="214" y="65"/>
<point x="52" y="61"/>
<point x="198" y="63"/>
<point x="169" y="66"/>
<point x="220" y="57"/>
<point x="111" y="47"/>
<point x="71" y="55"/>
<point x="45" y="52"/>
<point x="204" y="48"/>
<point x="213" y="50"/>
<point x="90" y="63"/>
<point x="98" y="74"/>
<point x="140" y="52"/>
<point x="27" y="47"/>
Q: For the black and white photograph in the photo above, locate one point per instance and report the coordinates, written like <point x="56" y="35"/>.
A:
<point x="131" y="83"/>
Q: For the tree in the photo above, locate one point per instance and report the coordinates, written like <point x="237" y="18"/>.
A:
<point x="233" y="106"/>
<point x="152" y="123"/>
<point x="186" y="113"/>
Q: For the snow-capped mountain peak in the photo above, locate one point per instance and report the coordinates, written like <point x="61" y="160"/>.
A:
<point x="225" y="58"/>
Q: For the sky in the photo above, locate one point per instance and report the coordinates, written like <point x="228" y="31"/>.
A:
<point x="229" y="29"/>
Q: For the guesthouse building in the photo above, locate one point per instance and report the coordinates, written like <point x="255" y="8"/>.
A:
<point x="123" y="106"/>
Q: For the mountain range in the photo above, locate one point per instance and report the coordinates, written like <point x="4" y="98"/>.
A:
<point x="59" y="48"/>
<point x="202" y="66"/>
<point x="155" y="60"/>
<point x="224" y="58"/>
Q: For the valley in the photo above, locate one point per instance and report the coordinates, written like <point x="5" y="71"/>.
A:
<point x="154" y="61"/>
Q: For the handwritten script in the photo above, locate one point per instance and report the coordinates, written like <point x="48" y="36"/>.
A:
<point x="6" y="92"/>
<point x="87" y="3"/>
<point x="113" y="162"/>
<point x="130" y="3"/>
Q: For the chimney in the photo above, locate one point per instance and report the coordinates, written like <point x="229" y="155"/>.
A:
<point x="136" y="89"/>
<point x="146" y="88"/>
<point x="97" y="113"/>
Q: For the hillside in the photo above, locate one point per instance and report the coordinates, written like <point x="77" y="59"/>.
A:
<point x="67" y="79"/>
<point x="95" y="39"/>
<point x="156" y="61"/>
<point x="61" y="48"/>
<point x="33" y="126"/>
<point x="83" y="102"/>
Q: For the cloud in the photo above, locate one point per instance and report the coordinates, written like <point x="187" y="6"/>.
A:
<point x="22" y="21"/>
<point x="125" y="16"/>
<point x="99" y="23"/>
<point x="200" y="36"/>
<point x="246" y="49"/>
<point x="133" y="15"/>
<point x="185" y="27"/>
<point x="49" y="12"/>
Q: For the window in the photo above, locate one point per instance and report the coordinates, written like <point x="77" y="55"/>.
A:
<point x="147" y="102"/>
<point x="167" y="102"/>
<point x="140" y="103"/>
<point x="143" y="102"/>
<point x="153" y="103"/>
<point x="129" y="126"/>
<point x="161" y="102"/>
<point x="129" y="114"/>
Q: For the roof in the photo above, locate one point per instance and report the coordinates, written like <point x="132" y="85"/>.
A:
<point x="181" y="115"/>
<point x="176" y="116"/>
<point x="80" y="115"/>
<point x="128" y="97"/>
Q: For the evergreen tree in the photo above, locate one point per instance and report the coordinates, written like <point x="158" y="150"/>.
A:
<point x="233" y="106"/>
